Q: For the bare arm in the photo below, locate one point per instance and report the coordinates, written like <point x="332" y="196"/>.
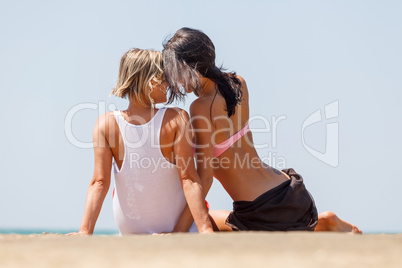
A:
<point x="204" y="154"/>
<point x="190" y="180"/>
<point x="203" y="130"/>
<point x="100" y="181"/>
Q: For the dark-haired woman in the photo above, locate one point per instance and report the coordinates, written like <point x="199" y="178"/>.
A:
<point x="264" y="198"/>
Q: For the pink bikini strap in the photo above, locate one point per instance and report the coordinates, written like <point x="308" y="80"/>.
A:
<point x="223" y="146"/>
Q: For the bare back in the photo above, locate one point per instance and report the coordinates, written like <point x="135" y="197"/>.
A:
<point x="239" y="169"/>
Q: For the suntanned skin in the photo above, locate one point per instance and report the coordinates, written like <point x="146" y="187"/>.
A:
<point x="176" y="148"/>
<point x="245" y="182"/>
<point x="242" y="183"/>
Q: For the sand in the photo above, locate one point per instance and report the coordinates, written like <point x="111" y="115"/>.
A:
<point x="243" y="249"/>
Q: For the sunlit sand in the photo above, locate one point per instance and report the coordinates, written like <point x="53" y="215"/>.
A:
<point x="245" y="249"/>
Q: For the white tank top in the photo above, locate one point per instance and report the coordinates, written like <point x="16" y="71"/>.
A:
<point x="148" y="196"/>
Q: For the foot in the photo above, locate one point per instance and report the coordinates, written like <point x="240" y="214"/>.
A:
<point x="329" y="222"/>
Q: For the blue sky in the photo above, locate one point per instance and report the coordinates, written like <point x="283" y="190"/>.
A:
<point x="296" y="56"/>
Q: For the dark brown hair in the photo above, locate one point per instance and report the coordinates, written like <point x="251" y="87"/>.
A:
<point x="189" y="53"/>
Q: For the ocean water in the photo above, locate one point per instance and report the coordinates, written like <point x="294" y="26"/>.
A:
<point x="54" y="231"/>
<point x="108" y="232"/>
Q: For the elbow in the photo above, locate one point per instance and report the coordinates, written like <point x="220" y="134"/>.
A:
<point x="190" y="185"/>
<point x="100" y="183"/>
<point x="189" y="180"/>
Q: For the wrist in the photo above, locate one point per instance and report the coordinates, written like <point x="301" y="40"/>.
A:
<point x="206" y="231"/>
<point x="84" y="232"/>
<point x="206" y="228"/>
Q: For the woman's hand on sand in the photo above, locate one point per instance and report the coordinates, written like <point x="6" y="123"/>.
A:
<point x="208" y="231"/>
<point x="79" y="233"/>
<point x="161" y="234"/>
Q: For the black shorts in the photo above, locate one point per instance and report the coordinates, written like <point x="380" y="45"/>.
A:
<point x="287" y="207"/>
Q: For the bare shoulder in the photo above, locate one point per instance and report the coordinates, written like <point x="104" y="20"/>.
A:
<point x="103" y="122"/>
<point x="175" y="112"/>
<point x="176" y="116"/>
<point x="243" y="88"/>
<point x="102" y="128"/>
<point x="197" y="107"/>
<point x="243" y="82"/>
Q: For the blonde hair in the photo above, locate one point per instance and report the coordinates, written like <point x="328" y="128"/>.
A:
<point x="137" y="68"/>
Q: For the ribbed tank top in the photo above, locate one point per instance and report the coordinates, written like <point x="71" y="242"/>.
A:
<point x="148" y="196"/>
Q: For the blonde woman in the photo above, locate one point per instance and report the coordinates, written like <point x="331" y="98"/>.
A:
<point x="151" y="154"/>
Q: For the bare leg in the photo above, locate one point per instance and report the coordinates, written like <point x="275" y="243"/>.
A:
<point x="218" y="219"/>
<point x="329" y="222"/>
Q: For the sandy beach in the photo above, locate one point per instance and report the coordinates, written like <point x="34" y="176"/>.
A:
<point x="245" y="249"/>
